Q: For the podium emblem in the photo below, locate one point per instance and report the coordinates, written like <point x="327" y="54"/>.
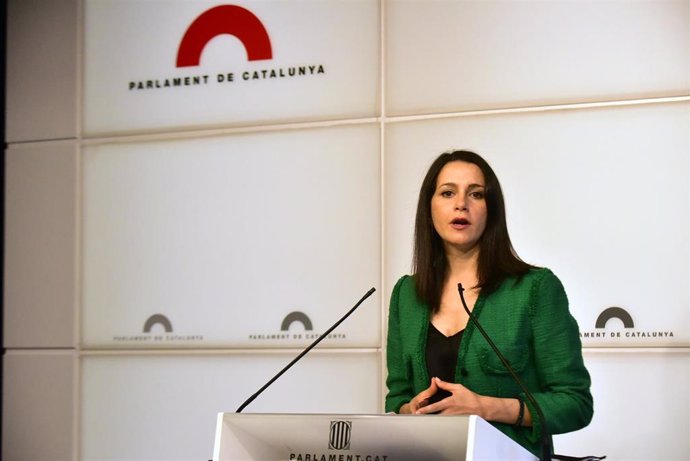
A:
<point x="339" y="438"/>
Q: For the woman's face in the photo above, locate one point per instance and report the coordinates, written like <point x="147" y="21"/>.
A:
<point x="458" y="207"/>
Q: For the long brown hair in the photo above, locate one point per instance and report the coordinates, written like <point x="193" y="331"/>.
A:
<point x="497" y="258"/>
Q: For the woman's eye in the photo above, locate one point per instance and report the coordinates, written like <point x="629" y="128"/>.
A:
<point x="446" y="193"/>
<point x="477" y="194"/>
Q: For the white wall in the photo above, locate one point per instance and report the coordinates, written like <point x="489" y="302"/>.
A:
<point x="224" y="206"/>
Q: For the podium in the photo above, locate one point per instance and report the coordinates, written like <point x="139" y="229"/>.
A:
<point x="352" y="437"/>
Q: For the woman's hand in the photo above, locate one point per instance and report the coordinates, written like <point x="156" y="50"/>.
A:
<point x="420" y="400"/>
<point x="462" y="401"/>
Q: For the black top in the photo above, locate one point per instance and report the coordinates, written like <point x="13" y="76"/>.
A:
<point x="442" y="357"/>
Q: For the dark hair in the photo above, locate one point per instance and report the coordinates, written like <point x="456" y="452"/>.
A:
<point x="497" y="258"/>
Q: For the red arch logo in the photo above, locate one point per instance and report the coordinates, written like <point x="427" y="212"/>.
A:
<point x="225" y="19"/>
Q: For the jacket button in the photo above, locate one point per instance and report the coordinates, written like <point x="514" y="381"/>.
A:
<point x="463" y="372"/>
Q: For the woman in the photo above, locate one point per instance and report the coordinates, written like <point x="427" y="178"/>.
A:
<point x="437" y="361"/>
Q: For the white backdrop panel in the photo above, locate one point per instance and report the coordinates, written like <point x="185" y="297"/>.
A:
<point x="601" y="196"/>
<point x="454" y="55"/>
<point x="40" y="238"/>
<point x="641" y="407"/>
<point x="38" y="407"/>
<point x="165" y="407"/>
<point x="226" y="236"/>
<point x="41" y="68"/>
<point x="134" y="42"/>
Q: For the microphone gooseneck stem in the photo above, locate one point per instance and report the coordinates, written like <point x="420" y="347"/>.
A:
<point x="545" y="444"/>
<point x="304" y="352"/>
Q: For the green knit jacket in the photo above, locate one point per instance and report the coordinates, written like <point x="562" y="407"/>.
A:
<point x="529" y="321"/>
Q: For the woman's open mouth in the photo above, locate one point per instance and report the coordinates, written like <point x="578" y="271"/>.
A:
<point x="459" y="223"/>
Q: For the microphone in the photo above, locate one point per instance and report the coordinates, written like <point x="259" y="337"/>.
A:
<point x="545" y="442"/>
<point x="304" y="352"/>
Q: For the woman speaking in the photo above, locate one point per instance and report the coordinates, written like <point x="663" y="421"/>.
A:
<point x="437" y="361"/>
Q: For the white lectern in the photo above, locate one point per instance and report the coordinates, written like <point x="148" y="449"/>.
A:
<point x="347" y="437"/>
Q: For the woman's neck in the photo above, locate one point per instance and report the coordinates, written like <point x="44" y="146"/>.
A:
<point x="463" y="265"/>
